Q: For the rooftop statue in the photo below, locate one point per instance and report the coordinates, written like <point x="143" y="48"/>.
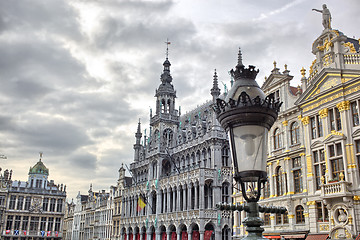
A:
<point x="326" y="22"/>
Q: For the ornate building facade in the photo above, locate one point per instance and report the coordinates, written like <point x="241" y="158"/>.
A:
<point x="32" y="209"/>
<point x="90" y="217"/>
<point x="314" y="147"/>
<point x="180" y="171"/>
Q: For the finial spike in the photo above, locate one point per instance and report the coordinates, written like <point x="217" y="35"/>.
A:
<point x="167" y="48"/>
<point x="41" y="154"/>
<point x="240" y="58"/>
<point x="274" y="64"/>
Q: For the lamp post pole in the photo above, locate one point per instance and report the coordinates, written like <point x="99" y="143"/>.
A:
<point x="247" y="115"/>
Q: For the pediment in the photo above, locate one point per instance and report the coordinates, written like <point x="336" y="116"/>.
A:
<point x="275" y="80"/>
<point x="356" y="133"/>
<point x="334" y="136"/>
<point x="317" y="144"/>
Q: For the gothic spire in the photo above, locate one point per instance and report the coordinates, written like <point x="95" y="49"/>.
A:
<point x="215" y="91"/>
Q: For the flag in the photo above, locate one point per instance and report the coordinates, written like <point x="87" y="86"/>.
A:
<point x="24" y="232"/>
<point x="141" y="204"/>
<point x="56" y="233"/>
<point x="7" y="231"/>
<point x="196" y="235"/>
<point x="16" y="232"/>
<point x="42" y="233"/>
<point x="48" y="233"/>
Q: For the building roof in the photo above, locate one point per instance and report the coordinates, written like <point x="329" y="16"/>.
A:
<point x="39" y="168"/>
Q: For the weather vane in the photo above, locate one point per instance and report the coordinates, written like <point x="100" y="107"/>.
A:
<point x="167" y="48"/>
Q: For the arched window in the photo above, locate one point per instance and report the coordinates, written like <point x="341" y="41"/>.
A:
<point x="168" y="137"/>
<point x="279" y="182"/>
<point x="225" y="234"/>
<point x="225" y="156"/>
<point x="277" y="138"/>
<point x="225" y="192"/>
<point x="299" y="211"/>
<point x="294" y="133"/>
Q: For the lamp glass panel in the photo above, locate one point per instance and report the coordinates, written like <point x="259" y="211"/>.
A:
<point x="250" y="143"/>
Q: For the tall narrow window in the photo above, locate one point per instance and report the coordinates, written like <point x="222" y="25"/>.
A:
<point x="357" y="148"/>
<point x="34" y="223"/>
<point x="267" y="221"/>
<point x="319" y="126"/>
<point x="20" y="203"/>
<point x="313" y="128"/>
<point x="277" y="138"/>
<point x="52" y="205"/>
<point x="50" y="224"/>
<point x="322" y="213"/>
<point x="59" y="205"/>
<point x="297" y="174"/>
<point x="355" y="114"/>
<point x="57" y="224"/>
<point x="225" y="192"/>
<point x="25" y="222"/>
<point x="9" y="222"/>
<point x="336" y="160"/>
<point x="45" y="204"/>
<point x="294" y="133"/>
<point x="279" y="182"/>
<point x="43" y="224"/>
<point x="319" y="166"/>
<point x="12" y="202"/>
<point x="17" y="222"/>
<point x="337" y="119"/>
<point x="331" y="119"/>
<point x="225" y="156"/>
<point x="299" y="211"/>
<point x="27" y="203"/>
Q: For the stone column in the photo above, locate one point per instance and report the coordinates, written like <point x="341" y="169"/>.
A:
<point x="169" y="193"/>
<point x="271" y="180"/>
<point x="158" y="201"/>
<point x="217" y="233"/>
<point x="189" y="197"/>
<point x="158" y="234"/>
<point x="168" y="235"/>
<point x="174" y="202"/>
<point x="178" y="201"/>
<point x="196" y="197"/>
<point x="179" y="235"/>
<point x="201" y="235"/>
<point x="190" y="234"/>
<point x="184" y="198"/>
<point x="148" y="235"/>
<point x="201" y="198"/>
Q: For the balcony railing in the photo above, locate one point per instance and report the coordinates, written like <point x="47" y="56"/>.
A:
<point x="336" y="188"/>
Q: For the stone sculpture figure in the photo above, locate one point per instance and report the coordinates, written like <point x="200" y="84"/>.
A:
<point x="326" y="16"/>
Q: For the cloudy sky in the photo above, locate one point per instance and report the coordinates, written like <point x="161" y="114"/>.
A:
<point x="76" y="75"/>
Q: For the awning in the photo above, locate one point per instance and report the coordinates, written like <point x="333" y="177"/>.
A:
<point x="273" y="237"/>
<point x="358" y="237"/>
<point x="317" y="236"/>
<point x="294" y="236"/>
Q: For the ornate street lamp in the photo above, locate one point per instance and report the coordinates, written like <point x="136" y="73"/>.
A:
<point x="247" y="114"/>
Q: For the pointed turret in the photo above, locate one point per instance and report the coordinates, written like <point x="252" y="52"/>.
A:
<point x="137" y="145"/>
<point x="215" y="91"/>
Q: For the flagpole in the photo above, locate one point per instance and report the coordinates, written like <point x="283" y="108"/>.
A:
<point x="141" y="192"/>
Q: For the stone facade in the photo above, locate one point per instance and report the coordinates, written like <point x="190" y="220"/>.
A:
<point x="180" y="171"/>
<point x="32" y="209"/>
<point x="313" y="162"/>
<point x="92" y="216"/>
